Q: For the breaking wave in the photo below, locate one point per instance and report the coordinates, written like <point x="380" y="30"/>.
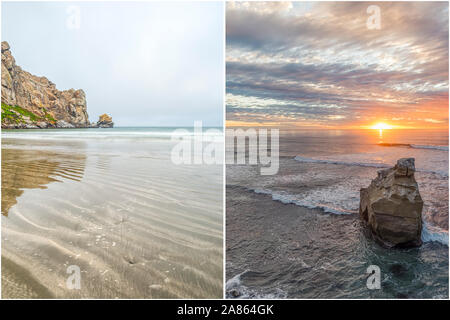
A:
<point x="363" y="164"/>
<point x="429" y="233"/>
<point x="235" y="289"/>
<point x="286" y="199"/>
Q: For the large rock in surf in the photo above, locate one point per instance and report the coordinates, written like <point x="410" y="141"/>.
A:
<point x="392" y="206"/>
<point x="105" y="121"/>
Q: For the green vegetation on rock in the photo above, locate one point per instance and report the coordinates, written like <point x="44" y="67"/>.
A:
<point x="48" y="116"/>
<point x="9" y="114"/>
<point x="16" y="114"/>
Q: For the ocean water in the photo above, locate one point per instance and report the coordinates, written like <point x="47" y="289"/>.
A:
<point x="111" y="202"/>
<point x="317" y="186"/>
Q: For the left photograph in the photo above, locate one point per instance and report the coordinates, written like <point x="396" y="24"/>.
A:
<point x="112" y="147"/>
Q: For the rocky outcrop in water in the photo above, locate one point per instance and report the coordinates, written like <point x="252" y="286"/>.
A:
<point x="29" y="101"/>
<point x="105" y="121"/>
<point x="392" y="206"/>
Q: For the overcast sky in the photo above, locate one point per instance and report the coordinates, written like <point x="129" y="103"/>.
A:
<point x="144" y="63"/>
<point x="318" y="64"/>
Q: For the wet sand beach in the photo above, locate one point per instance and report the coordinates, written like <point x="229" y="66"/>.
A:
<point x="112" y="203"/>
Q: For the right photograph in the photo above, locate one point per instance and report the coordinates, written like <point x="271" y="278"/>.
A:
<point x="337" y="150"/>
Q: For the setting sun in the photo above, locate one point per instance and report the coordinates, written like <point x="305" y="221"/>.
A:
<point x="381" y="126"/>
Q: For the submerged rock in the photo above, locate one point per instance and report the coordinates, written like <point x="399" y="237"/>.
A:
<point x="392" y="206"/>
<point x="235" y="293"/>
<point x="398" y="269"/>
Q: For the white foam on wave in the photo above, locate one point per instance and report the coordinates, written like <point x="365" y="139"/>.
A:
<point x="416" y="146"/>
<point x="288" y="199"/>
<point x="235" y="283"/>
<point x="429" y="233"/>
<point x="363" y="164"/>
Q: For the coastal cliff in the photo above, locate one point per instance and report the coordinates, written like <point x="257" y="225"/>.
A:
<point x="29" y="101"/>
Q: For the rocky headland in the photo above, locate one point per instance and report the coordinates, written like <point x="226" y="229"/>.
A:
<point x="31" y="102"/>
<point x="392" y="206"/>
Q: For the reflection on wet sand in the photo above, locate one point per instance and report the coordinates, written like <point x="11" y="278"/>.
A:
<point x="29" y="169"/>
<point x="18" y="283"/>
<point x="135" y="224"/>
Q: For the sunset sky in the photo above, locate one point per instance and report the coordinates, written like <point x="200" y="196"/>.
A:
<point x="318" y="65"/>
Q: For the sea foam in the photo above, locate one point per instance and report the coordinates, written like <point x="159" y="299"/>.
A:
<point x="235" y="283"/>
<point x="288" y="199"/>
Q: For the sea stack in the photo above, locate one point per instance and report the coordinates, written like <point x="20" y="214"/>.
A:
<point x="105" y="121"/>
<point x="392" y="206"/>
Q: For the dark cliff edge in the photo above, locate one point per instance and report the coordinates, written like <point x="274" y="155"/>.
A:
<point x="32" y="102"/>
